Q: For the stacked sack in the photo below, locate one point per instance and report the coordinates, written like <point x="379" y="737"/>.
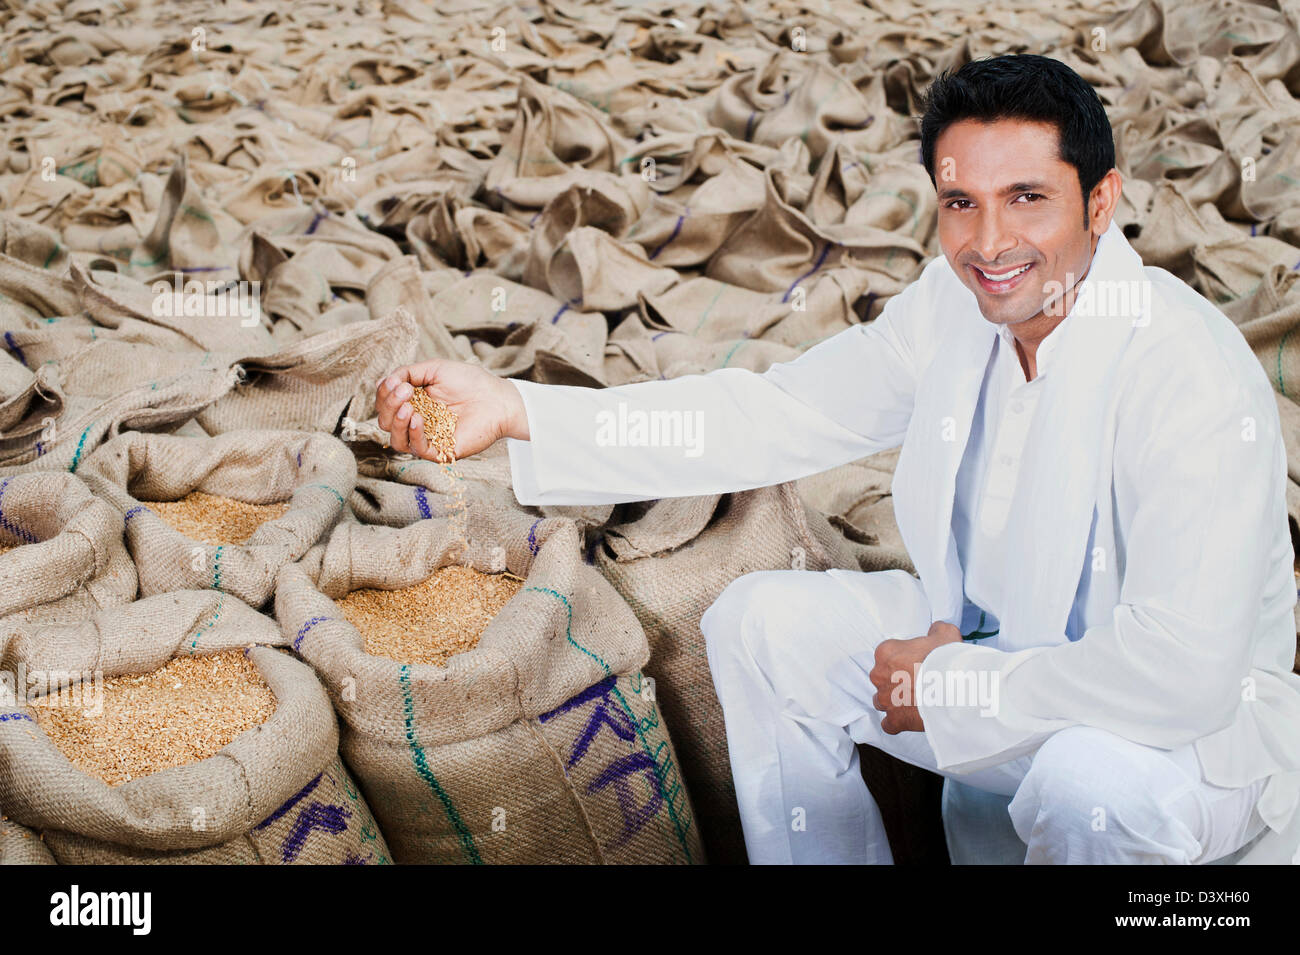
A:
<point x="276" y="794"/>
<point x="541" y="744"/>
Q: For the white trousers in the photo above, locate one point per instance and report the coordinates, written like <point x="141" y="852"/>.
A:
<point x="790" y="652"/>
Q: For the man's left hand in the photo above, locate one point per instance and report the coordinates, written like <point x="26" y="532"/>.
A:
<point x="894" y="676"/>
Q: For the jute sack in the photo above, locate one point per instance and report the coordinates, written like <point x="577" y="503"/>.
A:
<point x="856" y="498"/>
<point x="1289" y="415"/>
<point x="172" y="310"/>
<point x="713" y="189"/>
<point x="315" y="473"/>
<point x="313" y="383"/>
<point x="713" y="311"/>
<point x="104" y="366"/>
<point x="515" y="330"/>
<point x="59" y="430"/>
<point x="679" y="355"/>
<point x="124" y="332"/>
<point x="779" y="248"/>
<point x="554" y="138"/>
<point x="67" y="558"/>
<point x="1273" y="339"/>
<point x="400" y="491"/>
<point x="542" y="744"/>
<point x="277" y="793"/>
<point x="670" y="560"/>
<point x="398" y="286"/>
<point x="32" y="293"/>
<point x="31" y="243"/>
<point x="16" y="393"/>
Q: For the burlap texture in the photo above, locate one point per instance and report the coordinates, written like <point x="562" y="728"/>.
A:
<point x="398" y="491"/>
<point x="543" y="744"/>
<point x="314" y="472"/>
<point x="59" y="430"/>
<point x="857" y="499"/>
<point x="275" y="794"/>
<point x="20" y="846"/>
<point x="670" y="560"/>
<point x="315" y="382"/>
<point x="68" y="558"/>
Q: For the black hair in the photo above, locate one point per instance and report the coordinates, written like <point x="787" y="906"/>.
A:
<point x="1028" y="87"/>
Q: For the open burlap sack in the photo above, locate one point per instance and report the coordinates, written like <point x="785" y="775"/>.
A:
<point x="33" y="293"/>
<point x="555" y="139"/>
<point x="397" y="491"/>
<point x="315" y="382"/>
<point x="397" y="287"/>
<point x="678" y="355"/>
<point x="123" y="332"/>
<point x="543" y="744"/>
<point x="64" y="557"/>
<point x="712" y="311"/>
<point x="172" y="309"/>
<point x="315" y="473"/>
<point x="779" y="248"/>
<point x="59" y="430"/>
<point x="30" y="243"/>
<point x="276" y="794"/>
<point x="670" y="560"/>
<point x="103" y="367"/>
<point x="1273" y="336"/>
<point x="513" y="330"/>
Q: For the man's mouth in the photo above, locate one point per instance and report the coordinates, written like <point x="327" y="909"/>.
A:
<point x="1005" y="280"/>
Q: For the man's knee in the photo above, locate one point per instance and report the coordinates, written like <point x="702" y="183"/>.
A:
<point x="1089" y="794"/>
<point x="1077" y="772"/>
<point x="758" y="601"/>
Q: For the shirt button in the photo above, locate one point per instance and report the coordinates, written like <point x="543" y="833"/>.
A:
<point x="1007" y="460"/>
<point x="1017" y="407"/>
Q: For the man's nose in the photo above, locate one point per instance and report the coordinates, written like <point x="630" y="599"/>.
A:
<point x="992" y="238"/>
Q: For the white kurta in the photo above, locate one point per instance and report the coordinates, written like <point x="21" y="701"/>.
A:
<point x="987" y="478"/>
<point x="1144" y="569"/>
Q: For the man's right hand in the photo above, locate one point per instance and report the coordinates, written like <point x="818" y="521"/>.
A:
<point x="488" y="408"/>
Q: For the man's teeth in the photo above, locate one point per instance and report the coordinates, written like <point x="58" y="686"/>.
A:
<point x="1004" y="276"/>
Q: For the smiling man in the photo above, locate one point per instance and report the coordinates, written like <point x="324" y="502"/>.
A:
<point x="1091" y="486"/>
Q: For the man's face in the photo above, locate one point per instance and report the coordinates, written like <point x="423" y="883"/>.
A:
<point x="1010" y="215"/>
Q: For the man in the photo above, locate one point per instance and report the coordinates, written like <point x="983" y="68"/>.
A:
<point x="1091" y="486"/>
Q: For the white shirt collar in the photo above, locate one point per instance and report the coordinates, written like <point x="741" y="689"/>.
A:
<point x="1045" y="348"/>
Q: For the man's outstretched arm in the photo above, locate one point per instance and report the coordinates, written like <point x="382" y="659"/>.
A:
<point x="847" y="397"/>
<point x="728" y="430"/>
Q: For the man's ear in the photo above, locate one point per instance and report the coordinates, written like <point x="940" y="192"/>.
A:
<point x="1103" y="201"/>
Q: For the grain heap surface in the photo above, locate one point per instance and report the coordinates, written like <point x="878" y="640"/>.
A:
<point x="432" y="621"/>
<point x="216" y="520"/>
<point x="181" y="713"/>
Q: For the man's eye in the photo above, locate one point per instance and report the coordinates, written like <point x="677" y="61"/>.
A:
<point x="953" y="203"/>
<point x="1033" y="196"/>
